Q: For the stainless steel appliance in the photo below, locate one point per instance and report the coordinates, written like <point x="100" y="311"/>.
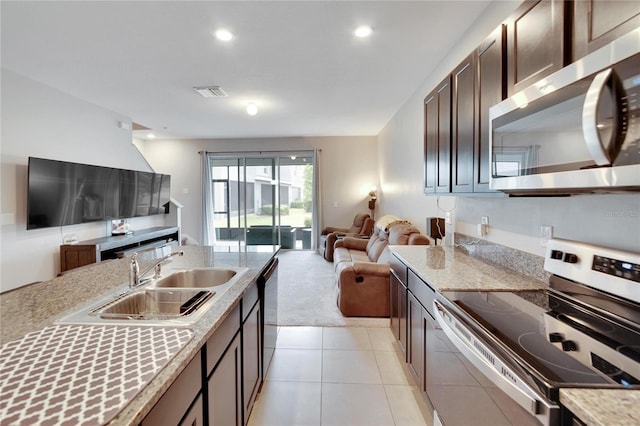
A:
<point x="575" y="131"/>
<point x="584" y="331"/>
<point x="268" y="288"/>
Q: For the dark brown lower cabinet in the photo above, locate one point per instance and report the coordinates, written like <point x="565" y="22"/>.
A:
<point x="416" y="338"/>
<point x="194" y="416"/>
<point x="398" y="298"/>
<point x="221" y="383"/>
<point x="251" y="359"/>
<point x="177" y="406"/>
<point x="225" y="388"/>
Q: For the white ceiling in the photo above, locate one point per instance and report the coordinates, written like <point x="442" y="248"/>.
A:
<point x="297" y="60"/>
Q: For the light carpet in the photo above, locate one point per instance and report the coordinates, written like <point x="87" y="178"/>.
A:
<point x="307" y="293"/>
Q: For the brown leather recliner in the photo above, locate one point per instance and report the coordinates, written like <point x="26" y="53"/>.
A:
<point x="362" y="227"/>
<point x="362" y="269"/>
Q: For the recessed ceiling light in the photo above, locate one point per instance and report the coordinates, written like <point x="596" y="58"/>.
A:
<point x="151" y="136"/>
<point x="363" y="31"/>
<point x="252" y="109"/>
<point x="223" y="35"/>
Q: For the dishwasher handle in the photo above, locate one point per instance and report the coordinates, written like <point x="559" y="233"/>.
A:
<point x="269" y="271"/>
<point x="485" y="360"/>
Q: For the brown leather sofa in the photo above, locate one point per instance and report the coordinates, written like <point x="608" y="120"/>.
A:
<point x="362" y="227"/>
<point x="362" y="269"/>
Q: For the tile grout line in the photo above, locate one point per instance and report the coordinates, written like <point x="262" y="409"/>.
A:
<point x="384" y="387"/>
<point x="321" y="371"/>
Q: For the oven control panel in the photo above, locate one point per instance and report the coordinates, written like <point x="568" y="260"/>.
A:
<point x="614" y="271"/>
<point x="615" y="267"/>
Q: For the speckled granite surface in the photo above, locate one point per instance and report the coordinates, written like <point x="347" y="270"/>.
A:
<point x="448" y="269"/>
<point x="526" y="263"/>
<point x="37" y="306"/>
<point x="603" y="407"/>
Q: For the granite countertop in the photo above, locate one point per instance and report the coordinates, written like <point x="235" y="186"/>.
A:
<point x="452" y="269"/>
<point x="603" y="407"/>
<point x="40" y="305"/>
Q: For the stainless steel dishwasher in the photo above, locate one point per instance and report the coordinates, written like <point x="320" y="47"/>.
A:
<point x="268" y="287"/>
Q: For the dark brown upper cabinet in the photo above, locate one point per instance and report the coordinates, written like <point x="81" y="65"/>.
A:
<point x="538" y="39"/>
<point x="463" y="124"/>
<point x="430" y="142"/>
<point x="596" y="23"/>
<point x="491" y="88"/>
<point x="537" y="42"/>
<point x="456" y="117"/>
<point x="437" y="139"/>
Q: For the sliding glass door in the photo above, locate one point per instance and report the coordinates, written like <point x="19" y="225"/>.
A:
<point x="263" y="199"/>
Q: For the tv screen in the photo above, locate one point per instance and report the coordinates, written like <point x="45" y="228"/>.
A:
<point x="62" y="193"/>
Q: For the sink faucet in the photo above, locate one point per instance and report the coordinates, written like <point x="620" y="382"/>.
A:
<point x="135" y="276"/>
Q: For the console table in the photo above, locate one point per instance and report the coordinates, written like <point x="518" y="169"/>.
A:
<point x="99" y="249"/>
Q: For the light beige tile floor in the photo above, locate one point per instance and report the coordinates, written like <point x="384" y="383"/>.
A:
<point x="334" y="376"/>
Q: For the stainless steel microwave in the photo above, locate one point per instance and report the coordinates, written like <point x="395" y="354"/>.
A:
<point x="576" y="131"/>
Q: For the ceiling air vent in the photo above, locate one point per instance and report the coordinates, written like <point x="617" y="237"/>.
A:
<point x="211" y="92"/>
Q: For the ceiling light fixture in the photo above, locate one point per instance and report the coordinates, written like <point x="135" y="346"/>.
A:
<point x="363" y="31"/>
<point x="252" y="109"/>
<point x="223" y="35"/>
<point x="151" y="136"/>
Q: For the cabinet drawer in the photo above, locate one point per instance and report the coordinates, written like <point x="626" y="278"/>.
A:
<point x="176" y="400"/>
<point x="422" y="291"/>
<point x="399" y="268"/>
<point x="217" y="344"/>
<point x="249" y="299"/>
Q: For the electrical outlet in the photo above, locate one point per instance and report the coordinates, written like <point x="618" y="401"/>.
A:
<point x="447" y="218"/>
<point x="546" y="233"/>
<point x="483" y="227"/>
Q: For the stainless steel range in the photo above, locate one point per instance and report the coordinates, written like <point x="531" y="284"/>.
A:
<point x="583" y="332"/>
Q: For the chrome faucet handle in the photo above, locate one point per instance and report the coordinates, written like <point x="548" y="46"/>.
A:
<point x="158" y="271"/>
<point x="134" y="271"/>
<point x="158" y="267"/>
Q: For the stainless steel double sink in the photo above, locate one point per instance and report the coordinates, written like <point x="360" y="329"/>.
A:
<point x="177" y="299"/>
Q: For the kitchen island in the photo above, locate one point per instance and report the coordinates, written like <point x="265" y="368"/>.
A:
<point x="37" y="306"/>
<point x="448" y="269"/>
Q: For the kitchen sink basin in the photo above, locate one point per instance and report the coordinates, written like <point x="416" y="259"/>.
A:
<point x="171" y="307"/>
<point x="197" y="278"/>
<point x="178" y="299"/>
<point x="200" y="278"/>
<point x="154" y="304"/>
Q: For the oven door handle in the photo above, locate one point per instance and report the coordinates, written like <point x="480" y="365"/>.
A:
<point x="485" y="360"/>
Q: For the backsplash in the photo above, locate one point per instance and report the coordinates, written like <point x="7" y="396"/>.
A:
<point x="525" y="263"/>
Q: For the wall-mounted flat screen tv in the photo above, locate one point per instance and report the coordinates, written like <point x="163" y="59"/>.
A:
<point x="62" y="193"/>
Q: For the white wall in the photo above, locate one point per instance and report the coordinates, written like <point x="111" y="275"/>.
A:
<point x="348" y="170"/>
<point x="40" y="121"/>
<point x="611" y="220"/>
